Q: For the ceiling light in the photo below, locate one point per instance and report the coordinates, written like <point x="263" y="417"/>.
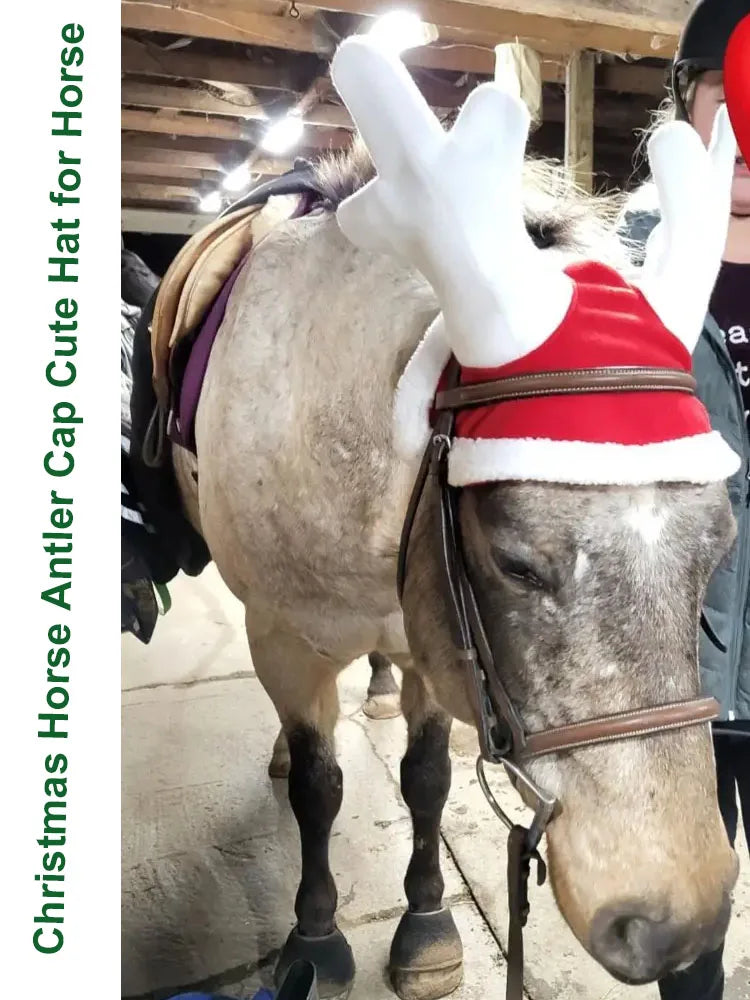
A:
<point x="283" y="134"/>
<point x="237" y="179"/>
<point x="210" y="202"/>
<point x="402" y="29"/>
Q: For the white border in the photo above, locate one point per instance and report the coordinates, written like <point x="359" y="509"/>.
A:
<point x="89" y="963"/>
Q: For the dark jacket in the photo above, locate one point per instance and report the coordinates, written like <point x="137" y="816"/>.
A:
<point x="726" y="676"/>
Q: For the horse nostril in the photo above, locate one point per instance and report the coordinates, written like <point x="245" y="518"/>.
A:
<point x="638" y="945"/>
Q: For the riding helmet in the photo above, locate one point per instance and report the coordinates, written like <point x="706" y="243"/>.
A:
<point x="703" y="43"/>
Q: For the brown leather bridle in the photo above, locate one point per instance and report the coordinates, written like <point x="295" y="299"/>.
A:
<point x="502" y="736"/>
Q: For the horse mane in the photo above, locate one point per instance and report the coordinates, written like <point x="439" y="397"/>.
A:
<point x="558" y="214"/>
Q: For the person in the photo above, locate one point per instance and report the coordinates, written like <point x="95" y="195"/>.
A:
<point x="722" y="368"/>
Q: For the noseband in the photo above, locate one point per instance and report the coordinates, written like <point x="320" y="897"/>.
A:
<point x="503" y="738"/>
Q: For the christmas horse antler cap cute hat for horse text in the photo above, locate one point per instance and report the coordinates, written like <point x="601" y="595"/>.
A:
<point x="449" y="204"/>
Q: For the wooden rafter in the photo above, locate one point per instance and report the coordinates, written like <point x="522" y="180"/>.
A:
<point x="237" y="24"/>
<point x="629" y="26"/>
<point x="134" y="169"/>
<point x="156" y="157"/>
<point x="188" y="99"/>
<point x="151" y="60"/>
<point x="176" y="124"/>
<point x="159" y="192"/>
<point x="192" y="113"/>
<point x="579" y="119"/>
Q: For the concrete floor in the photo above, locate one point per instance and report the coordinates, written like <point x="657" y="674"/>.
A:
<point x="210" y="848"/>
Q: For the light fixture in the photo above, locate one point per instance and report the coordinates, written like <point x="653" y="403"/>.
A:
<point x="237" y="179"/>
<point x="210" y="202"/>
<point x="402" y="29"/>
<point x="283" y="134"/>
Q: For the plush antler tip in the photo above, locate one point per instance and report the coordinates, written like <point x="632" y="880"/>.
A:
<point x="674" y="139"/>
<point x="357" y="53"/>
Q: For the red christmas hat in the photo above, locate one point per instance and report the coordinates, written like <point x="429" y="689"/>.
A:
<point x="450" y="205"/>
<point x="613" y="437"/>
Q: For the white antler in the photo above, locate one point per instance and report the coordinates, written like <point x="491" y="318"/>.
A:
<point x="450" y="203"/>
<point x="684" y="252"/>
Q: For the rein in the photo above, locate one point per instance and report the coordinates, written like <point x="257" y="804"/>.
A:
<point x="502" y="735"/>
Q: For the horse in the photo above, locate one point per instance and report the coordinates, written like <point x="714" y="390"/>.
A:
<point x="590" y="597"/>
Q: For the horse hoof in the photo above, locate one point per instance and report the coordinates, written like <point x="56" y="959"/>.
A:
<point x="383" y="706"/>
<point x="331" y="956"/>
<point x="280" y="760"/>
<point x="426" y="956"/>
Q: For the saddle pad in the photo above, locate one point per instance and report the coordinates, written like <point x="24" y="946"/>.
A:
<point x="199" y="271"/>
<point x="183" y="427"/>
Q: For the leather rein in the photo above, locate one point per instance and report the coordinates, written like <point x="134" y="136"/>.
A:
<point x="503" y="738"/>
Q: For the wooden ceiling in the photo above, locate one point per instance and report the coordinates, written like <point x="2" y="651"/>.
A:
<point x="202" y="78"/>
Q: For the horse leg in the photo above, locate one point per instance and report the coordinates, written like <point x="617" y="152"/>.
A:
<point x="383" y="695"/>
<point x="426" y="958"/>
<point x="280" y="762"/>
<point x="302" y="686"/>
<point x="383" y="702"/>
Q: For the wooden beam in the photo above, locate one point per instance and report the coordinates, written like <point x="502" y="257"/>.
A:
<point x="632" y="79"/>
<point x="472" y="58"/>
<point x="170" y="98"/>
<point x="134" y="169"/>
<point x="627" y="27"/>
<point x="175" y="124"/>
<point x="149" y="95"/>
<point x="151" y="60"/>
<point x="132" y="176"/>
<point x="199" y="144"/>
<point x="163" y="192"/>
<point x="230" y="24"/>
<point x="141" y="57"/>
<point x="175" y="168"/>
<point x="219" y="161"/>
<point x="579" y="119"/>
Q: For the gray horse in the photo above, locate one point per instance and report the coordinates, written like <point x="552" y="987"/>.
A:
<point x="590" y="596"/>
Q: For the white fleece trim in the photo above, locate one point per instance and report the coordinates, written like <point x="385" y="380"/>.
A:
<point x="415" y="392"/>
<point x="704" y="458"/>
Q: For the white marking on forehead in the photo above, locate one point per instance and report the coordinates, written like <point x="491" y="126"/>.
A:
<point x="582" y="564"/>
<point x="645" y="520"/>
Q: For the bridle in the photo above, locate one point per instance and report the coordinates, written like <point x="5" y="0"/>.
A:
<point x="503" y="738"/>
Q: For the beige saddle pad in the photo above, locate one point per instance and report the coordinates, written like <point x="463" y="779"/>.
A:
<point x="197" y="274"/>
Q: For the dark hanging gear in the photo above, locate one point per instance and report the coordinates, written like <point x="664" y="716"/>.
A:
<point x="140" y="548"/>
<point x="137" y="281"/>
<point x="703" y="44"/>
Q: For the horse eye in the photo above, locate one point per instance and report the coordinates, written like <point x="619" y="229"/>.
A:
<point x="517" y="569"/>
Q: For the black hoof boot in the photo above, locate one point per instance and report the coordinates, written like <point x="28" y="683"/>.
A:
<point x="331" y="956"/>
<point x="426" y="956"/>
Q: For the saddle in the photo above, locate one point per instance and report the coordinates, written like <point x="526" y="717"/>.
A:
<point x="204" y="264"/>
<point x="166" y="331"/>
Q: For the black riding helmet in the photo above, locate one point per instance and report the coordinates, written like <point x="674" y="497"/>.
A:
<point x="703" y="44"/>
